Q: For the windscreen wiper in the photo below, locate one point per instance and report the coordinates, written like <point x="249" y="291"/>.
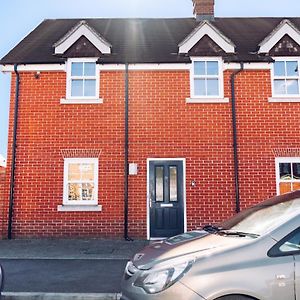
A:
<point x="237" y="233"/>
<point x="212" y="228"/>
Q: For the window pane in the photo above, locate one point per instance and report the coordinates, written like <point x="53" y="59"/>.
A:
<point x="199" y="68"/>
<point x="212" y="87"/>
<point x="285" y="171"/>
<point x="173" y="183"/>
<point x="279" y="87"/>
<point x="74" y="193"/>
<point x="284" y="187"/>
<point x="87" y="171"/>
<point x="296" y="170"/>
<point x="200" y="87"/>
<point x="77" y="69"/>
<point x="89" y="69"/>
<point x="90" y="87"/>
<point x="279" y="68"/>
<point x="296" y="186"/>
<point x="292" y="87"/>
<point x="212" y="68"/>
<point x="292" y="68"/>
<point x="159" y="184"/>
<point x="293" y="244"/>
<point x="77" y="88"/>
<point x="87" y="191"/>
<point x="74" y="172"/>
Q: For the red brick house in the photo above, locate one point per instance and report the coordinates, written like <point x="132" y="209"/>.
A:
<point x="149" y="127"/>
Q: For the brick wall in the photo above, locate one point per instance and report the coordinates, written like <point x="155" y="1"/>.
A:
<point x="162" y="125"/>
<point x="2" y="201"/>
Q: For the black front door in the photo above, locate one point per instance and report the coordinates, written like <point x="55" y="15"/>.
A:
<point x="166" y="198"/>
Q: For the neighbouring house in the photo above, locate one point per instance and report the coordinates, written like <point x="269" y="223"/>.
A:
<point x="3" y="230"/>
<point x="150" y="127"/>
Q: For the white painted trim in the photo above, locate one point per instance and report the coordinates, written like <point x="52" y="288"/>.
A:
<point x="33" y="67"/>
<point x="81" y="101"/>
<point x="206" y="28"/>
<point x="184" y="191"/>
<point x="220" y="78"/>
<point x="285" y="27"/>
<point x="283" y="160"/>
<point x="91" y="160"/>
<point x="69" y="78"/>
<point x="82" y="30"/>
<point x="247" y="66"/>
<point x="133" y="67"/>
<point x="287" y="99"/>
<point x="66" y="208"/>
<point x="206" y="100"/>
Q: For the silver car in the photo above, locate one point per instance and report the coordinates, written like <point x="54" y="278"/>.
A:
<point x="254" y="255"/>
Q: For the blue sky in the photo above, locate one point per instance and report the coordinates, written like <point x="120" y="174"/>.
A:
<point x="19" y="17"/>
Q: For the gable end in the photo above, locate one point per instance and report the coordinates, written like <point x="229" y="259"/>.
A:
<point x="82" y="29"/>
<point x="206" y="47"/>
<point x="285" y="47"/>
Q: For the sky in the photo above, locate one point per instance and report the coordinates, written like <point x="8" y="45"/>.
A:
<point x="20" y="17"/>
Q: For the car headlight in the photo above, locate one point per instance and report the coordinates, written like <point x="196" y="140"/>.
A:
<point x="155" y="281"/>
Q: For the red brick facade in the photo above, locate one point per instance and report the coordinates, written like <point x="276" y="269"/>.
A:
<point x="161" y="125"/>
<point x="2" y="190"/>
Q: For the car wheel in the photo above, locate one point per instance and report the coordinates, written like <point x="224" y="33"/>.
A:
<point x="236" y="297"/>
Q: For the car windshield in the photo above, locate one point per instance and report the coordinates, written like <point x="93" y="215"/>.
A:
<point x="262" y="218"/>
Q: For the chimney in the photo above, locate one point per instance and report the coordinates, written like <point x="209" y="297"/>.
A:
<point x="204" y="9"/>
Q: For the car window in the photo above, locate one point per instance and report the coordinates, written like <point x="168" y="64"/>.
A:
<point x="292" y="244"/>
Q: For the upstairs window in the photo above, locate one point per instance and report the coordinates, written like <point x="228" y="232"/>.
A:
<point x="206" y="79"/>
<point x="286" y="78"/>
<point x="83" y="79"/>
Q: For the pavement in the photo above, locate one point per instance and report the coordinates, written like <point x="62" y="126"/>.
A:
<point x="65" y="269"/>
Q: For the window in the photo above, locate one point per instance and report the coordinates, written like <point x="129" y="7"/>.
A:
<point x="286" y="78"/>
<point x="206" y="78"/>
<point x="287" y="174"/>
<point x="81" y="181"/>
<point x="82" y="79"/>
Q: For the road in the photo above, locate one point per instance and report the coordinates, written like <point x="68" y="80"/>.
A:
<point x="63" y="275"/>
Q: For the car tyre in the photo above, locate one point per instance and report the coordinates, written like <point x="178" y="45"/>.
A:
<point x="236" y="297"/>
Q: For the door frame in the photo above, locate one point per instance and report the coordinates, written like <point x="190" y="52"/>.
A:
<point x="184" y="192"/>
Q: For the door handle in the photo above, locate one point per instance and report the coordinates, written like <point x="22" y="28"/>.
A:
<point x="281" y="276"/>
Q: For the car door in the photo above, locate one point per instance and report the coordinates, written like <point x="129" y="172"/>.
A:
<point x="288" y="248"/>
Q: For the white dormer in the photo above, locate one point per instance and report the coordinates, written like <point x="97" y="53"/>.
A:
<point x="285" y="27"/>
<point x="206" y="28"/>
<point x="82" y="29"/>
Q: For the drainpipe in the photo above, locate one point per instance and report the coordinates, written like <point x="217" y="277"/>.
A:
<point x="13" y="163"/>
<point x="235" y="144"/>
<point x="126" y="237"/>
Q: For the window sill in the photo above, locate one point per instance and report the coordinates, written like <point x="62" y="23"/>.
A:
<point x="284" y="99"/>
<point x="81" y="101"/>
<point x="79" y="208"/>
<point x="207" y="100"/>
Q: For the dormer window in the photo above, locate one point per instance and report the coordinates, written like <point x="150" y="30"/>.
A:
<point x="286" y="78"/>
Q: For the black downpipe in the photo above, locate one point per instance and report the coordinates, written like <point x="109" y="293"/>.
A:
<point x="235" y="144"/>
<point x="126" y="237"/>
<point x="13" y="162"/>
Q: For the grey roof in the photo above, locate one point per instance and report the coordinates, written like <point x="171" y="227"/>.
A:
<point x="145" y="40"/>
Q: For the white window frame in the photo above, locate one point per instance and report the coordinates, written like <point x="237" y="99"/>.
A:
<point x="279" y="160"/>
<point x="207" y="99"/>
<point x="285" y="97"/>
<point x="68" y="161"/>
<point x="82" y="99"/>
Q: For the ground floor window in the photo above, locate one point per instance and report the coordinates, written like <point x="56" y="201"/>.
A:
<point x="287" y="174"/>
<point x="80" y="181"/>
